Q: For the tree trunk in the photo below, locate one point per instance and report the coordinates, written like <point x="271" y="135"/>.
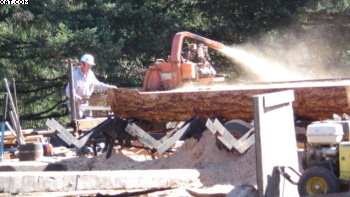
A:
<point x="314" y="99"/>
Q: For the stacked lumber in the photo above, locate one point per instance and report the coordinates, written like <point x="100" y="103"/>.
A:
<point x="314" y="100"/>
<point x="29" y="135"/>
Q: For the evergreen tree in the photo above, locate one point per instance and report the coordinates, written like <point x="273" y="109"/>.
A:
<point x="128" y="36"/>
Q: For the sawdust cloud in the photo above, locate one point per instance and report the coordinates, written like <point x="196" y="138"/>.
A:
<point x="263" y="68"/>
<point x="290" y="55"/>
<point x="287" y="57"/>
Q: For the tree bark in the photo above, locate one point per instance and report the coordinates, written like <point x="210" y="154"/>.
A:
<point x="314" y="100"/>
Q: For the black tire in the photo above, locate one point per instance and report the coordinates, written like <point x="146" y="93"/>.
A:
<point x="243" y="191"/>
<point x="304" y="163"/>
<point x="237" y="128"/>
<point x="318" y="180"/>
<point x="237" y="125"/>
<point x="30" y="151"/>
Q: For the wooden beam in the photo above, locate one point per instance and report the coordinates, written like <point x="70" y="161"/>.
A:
<point x="142" y="136"/>
<point x="87" y="124"/>
<point x="172" y="140"/>
<point x="63" y="134"/>
<point x="241" y="145"/>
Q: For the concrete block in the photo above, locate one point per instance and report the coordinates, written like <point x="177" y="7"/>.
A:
<point x="26" y="182"/>
<point x="30" y="166"/>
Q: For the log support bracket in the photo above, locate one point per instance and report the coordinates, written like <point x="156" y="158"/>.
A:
<point x="241" y="145"/>
<point x="193" y="127"/>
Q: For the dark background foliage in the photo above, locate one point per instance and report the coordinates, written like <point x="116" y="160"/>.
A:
<point x="127" y="36"/>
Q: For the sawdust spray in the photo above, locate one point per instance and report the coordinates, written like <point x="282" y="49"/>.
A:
<point x="288" y="57"/>
<point x="264" y="68"/>
<point x="284" y="56"/>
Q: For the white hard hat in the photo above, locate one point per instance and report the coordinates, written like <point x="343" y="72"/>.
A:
<point x="88" y="59"/>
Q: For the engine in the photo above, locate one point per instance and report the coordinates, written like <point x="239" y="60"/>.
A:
<point x="323" y="139"/>
<point x="198" y="57"/>
<point x="192" y="65"/>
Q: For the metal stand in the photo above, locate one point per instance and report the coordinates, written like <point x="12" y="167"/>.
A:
<point x="71" y="94"/>
<point x="14" y="115"/>
<point x="3" y="125"/>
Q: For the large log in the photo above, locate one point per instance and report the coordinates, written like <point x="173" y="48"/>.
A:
<point x="314" y="100"/>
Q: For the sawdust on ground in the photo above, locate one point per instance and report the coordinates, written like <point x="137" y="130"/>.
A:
<point x="219" y="170"/>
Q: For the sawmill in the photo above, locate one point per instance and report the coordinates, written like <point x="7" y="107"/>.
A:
<point x="183" y="96"/>
<point x="163" y="105"/>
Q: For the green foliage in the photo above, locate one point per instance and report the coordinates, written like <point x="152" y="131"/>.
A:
<point x="128" y="36"/>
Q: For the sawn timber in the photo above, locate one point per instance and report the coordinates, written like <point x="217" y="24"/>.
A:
<point x="314" y="100"/>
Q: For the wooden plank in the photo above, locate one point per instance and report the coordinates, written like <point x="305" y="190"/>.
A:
<point x="225" y="137"/>
<point x="13" y="132"/>
<point x="15" y="123"/>
<point x="245" y="142"/>
<point x="83" y="140"/>
<point x="34" y="138"/>
<point x="96" y="108"/>
<point x="12" y="141"/>
<point x="212" y="128"/>
<point x="241" y="144"/>
<point x="143" y="136"/>
<point x="87" y="124"/>
<point x="314" y="99"/>
<point x="62" y="132"/>
<point x="25" y="132"/>
<point x="29" y="138"/>
<point x="7" y="156"/>
<point x="172" y="140"/>
<point x="210" y="125"/>
<point x="42" y="132"/>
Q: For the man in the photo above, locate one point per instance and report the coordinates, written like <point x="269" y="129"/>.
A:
<point x="85" y="82"/>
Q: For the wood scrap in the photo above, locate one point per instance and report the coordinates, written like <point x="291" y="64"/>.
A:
<point x="13" y="141"/>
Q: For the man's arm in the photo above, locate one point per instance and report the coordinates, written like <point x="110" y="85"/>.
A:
<point x="102" y="86"/>
<point x="76" y="96"/>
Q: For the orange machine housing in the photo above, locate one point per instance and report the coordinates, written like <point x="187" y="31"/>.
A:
<point x="167" y="75"/>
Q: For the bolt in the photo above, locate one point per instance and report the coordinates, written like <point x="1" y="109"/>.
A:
<point x="317" y="186"/>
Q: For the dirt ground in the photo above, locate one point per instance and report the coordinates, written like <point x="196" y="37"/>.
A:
<point x="220" y="171"/>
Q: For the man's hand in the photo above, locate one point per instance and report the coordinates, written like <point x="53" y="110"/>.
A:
<point x="83" y="100"/>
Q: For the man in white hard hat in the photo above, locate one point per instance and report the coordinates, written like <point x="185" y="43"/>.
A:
<point x="85" y="82"/>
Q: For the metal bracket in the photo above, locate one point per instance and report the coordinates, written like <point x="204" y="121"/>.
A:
<point x="242" y="144"/>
